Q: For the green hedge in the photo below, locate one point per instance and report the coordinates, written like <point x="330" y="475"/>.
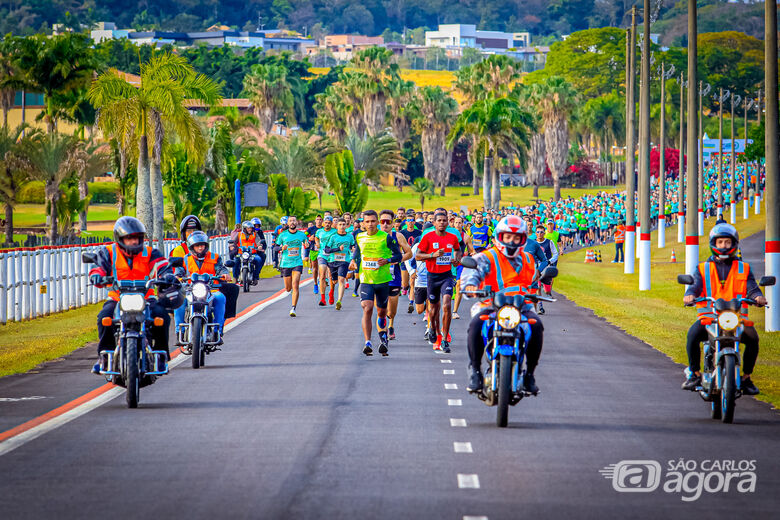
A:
<point x="102" y="193"/>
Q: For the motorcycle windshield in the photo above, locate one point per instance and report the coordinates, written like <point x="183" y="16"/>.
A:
<point x="727" y="305"/>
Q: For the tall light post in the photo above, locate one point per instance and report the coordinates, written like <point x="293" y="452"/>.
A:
<point x="662" y="159"/>
<point x="681" y="168"/>
<point x="628" y="266"/>
<point x="757" y="201"/>
<point x="692" y="206"/>
<point x="644" y="155"/>
<point x="772" y="166"/>
<point x="746" y="180"/>
<point x="703" y="91"/>
<point x="733" y="166"/>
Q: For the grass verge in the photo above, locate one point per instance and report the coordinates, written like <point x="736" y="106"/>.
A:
<point x="657" y="316"/>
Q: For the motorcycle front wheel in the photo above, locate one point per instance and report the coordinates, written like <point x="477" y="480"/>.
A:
<point x="245" y="279"/>
<point x="196" y="339"/>
<point x="728" y="395"/>
<point x="504" y="390"/>
<point x="132" y="375"/>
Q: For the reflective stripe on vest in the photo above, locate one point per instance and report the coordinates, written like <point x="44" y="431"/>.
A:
<point x="734" y="285"/>
<point x="123" y="271"/>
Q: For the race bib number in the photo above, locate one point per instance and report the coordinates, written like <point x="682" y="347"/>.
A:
<point x="340" y="257"/>
<point x="445" y="259"/>
<point x="293" y="252"/>
<point x="370" y="265"/>
<point x="478" y="242"/>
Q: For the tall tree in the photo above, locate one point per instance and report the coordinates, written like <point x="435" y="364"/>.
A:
<point x="267" y="88"/>
<point x="346" y="182"/>
<point x="11" y="178"/>
<point x="436" y="112"/>
<point x="95" y="161"/>
<point x="378" y="70"/>
<point x="557" y="99"/>
<point x="377" y="156"/>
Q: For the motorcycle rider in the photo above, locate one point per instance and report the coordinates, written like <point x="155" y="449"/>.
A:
<point x="247" y="238"/>
<point x="129" y="259"/>
<point x="202" y="261"/>
<point x="505" y="264"/>
<point x="189" y="225"/>
<point x="722" y="275"/>
<point x="262" y="245"/>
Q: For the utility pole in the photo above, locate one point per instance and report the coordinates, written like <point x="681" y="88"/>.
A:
<point x="746" y="179"/>
<point x="662" y="165"/>
<point x="772" y="149"/>
<point x="691" y="224"/>
<point x="733" y="171"/>
<point x="630" y="256"/>
<point x="700" y="157"/>
<point x="757" y="202"/>
<point x="681" y="168"/>
<point x="720" y="153"/>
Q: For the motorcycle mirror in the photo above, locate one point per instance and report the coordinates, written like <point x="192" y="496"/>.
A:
<point x="89" y="258"/>
<point x="766" y="281"/>
<point x="229" y="263"/>
<point x="685" y="279"/>
<point x="176" y="261"/>
<point x="468" y="262"/>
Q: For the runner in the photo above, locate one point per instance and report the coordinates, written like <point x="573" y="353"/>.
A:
<point x="313" y="252"/>
<point x="412" y="235"/>
<point x="458" y="223"/>
<point x="338" y="247"/>
<point x="374" y="252"/>
<point x="551" y="253"/>
<point x="441" y="251"/>
<point x="322" y="264"/>
<point x="386" y="223"/>
<point x="291" y="242"/>
<point x="419" y="279"/>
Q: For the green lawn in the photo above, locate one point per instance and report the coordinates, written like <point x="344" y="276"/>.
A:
<point x="30" y="215"/>
<point x="657" y="316"/>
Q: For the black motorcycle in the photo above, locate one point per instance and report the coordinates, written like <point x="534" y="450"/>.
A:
<point x="720" y="378"/>
<point x="133" y="364"/>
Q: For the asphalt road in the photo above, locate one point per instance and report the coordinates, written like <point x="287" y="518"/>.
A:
<point x="290" y="420"/>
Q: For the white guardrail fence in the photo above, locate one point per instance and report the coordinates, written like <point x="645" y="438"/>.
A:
<point x="43" y="280"/>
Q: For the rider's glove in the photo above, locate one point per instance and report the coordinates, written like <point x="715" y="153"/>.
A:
<point x="95" y="279"/>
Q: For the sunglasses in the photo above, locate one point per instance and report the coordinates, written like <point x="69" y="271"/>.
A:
<point x="384" y="221"/>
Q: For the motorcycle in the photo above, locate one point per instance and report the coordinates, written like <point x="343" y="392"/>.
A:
<point x="133" y="364"/>
<point x="721" y="379"/>
<point x="245" y="272"/>
<point x="505" y="350"/>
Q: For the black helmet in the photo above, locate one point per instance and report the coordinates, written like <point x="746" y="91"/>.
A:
<point x="126" y="227"/>
<point x="724" y="231"/>
<point x="198" y="237"/>
<point x="188" y="222"/>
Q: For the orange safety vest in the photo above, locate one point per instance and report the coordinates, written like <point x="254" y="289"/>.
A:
<point x="502" y="274"/>
<point x="735" y="285"/>
<point x="122" y="270"/>
<point x="620" y="234"/>
<point x="207" y="266"/>
<point x="246" y="241"/>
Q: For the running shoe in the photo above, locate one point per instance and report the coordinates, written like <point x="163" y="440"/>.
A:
<point x="292" y="312"/>
<point x="541" y="309"/>
<point x="455" y="316"/>
<point x="367" y="350"/>
<point x="383" y="343"/>
<point x="449" y="338"/>
<point x="410" y="309"/>
<point x="445" y="346"/>
<point x="322" y="301"/>
<point x="391" y="333"/>
<point x="437" y="345"/>
<point x="338" y="305"/>
<point x="354" y="295"/>
<point x="347" y="286"/>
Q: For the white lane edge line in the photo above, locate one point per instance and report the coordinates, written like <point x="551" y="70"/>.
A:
<point x="450" y="386"/>
<point x="455" y="423"/>
<point x="462" y="447"/>
<point x="448" y="372"/>
<point x="52" y="424"/>
<point x="470" y="517"/>
<point x="454" y="402"/>
<point x="445" y="360"/>
<point x="468" y="481"/>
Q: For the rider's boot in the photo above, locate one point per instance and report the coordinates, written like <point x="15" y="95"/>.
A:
<point x="692" y="382"/>
<point x="475" y="381"/>
<point x="529" y="384"/>
<point x="748" y="388"/>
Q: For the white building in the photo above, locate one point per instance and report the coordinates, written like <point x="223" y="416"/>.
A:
<point x="466" y="35"/>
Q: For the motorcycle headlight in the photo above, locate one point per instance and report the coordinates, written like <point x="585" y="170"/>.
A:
<point x="508" y="317"/>
<point x="245" y="256"/>
<point x="199" y="290"/>
<point x="728" y="320"/>
<point x="132" y="302"/>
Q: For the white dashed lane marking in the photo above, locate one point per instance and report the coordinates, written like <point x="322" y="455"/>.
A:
<point x="475" y="518"/>
<point x="450" y="386"/>
<point x="446" y="360"/>
<point x="462" y="447"/>
<point x="454" y="402"/>
<point x="468" y="481"/>
<point x="448" y="372"/>
<point x="458" y="423"/>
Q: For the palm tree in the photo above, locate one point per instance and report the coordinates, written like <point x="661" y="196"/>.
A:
<point x="350" y="88"/>
<point x="400" y="94"/>
<point x="11" y="179"/>
<point x="51" y="158"/>
<point x="55" y="66"/>
<point x="267" y="88"/>
<point x="95" y="161"/>
<point x="9" y="77"/>
<point x="377" y="70"/>
<point x="293" y="157"/>
<point x="423" y="187"/>
<point x="151" y="109"/>
<point x="436" y="112"/>
<point x="378" y="156"/>
<point x="556" y="99"/>
<point x="604" y="116"/>
<point x="498" y="125"/>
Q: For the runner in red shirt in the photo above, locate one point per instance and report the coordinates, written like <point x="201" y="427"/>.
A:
<point x="440" y="250"/>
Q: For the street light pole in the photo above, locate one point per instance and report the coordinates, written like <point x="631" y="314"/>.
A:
<point x="691" y="224"/>
<point x="733" y="171"/>
<point x="757" y="201"/>
<point x="628" y="266"/>
<point x="681" y="168"/>
<point x="644" y="155"/>
<point x="700" y="157"/>
<point x="662" y="165"/>
<point x="746" y="179"/>
<point x="772" y="150"/>
<point x="720" y="153"/>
